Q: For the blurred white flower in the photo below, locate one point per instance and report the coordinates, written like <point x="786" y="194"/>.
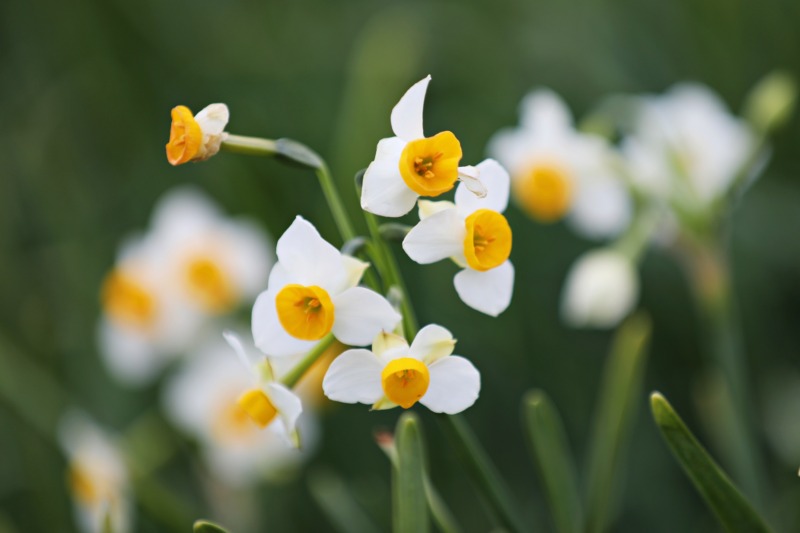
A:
<point x="411" y="165"/>
<point x="601" y="289"/>
<point x="685" y="147"/>
<point x="97" y="476"/>
<point x="192" y="264"/>
<point x="473" y="232"/>
<point x="313" y="291"/>
<point x="558" y="172"/>
<point x="196" y="138"/>
<point x="394" y="373"/>
<point x="244" y="423"/>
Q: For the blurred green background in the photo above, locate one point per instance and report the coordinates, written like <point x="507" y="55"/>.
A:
<point x="85" y="99"/>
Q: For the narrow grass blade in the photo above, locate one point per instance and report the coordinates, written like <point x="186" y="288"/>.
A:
<point x="550" y="449"/>
<point x="732" y="509"/>
<point x="338" y="503"/>
<point x="410" y="509"/>
<point x="619" y="396"/>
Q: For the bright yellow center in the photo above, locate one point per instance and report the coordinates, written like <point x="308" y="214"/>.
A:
<point x="257" y="406"/>
<point x="488" y="240"/>
<point x="82" y="486"/>
<point x="209" y="285"/>
<point x="185" y="136"/>
<point x="127" y="301"/>
<point x="405" y="381"/>
<point x="545" y="192"/>
<point x="305" y="312"/>
<point x="232" y="423"/>
<point x="429" y="166"/>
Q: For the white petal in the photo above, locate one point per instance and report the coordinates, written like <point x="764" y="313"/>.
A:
<point x="432" y="343"/>
<point x="360" y="314"/>
<point x="601" y="208"/>
<point x="388" y="346"/>
<point x="407" y="114"/>
<point x="235" y="342"/>
<point x="130" y="357"/>
<point x="268" y="333"/>
<point x="488" y="292"/>
<point x="470" y="178"/>
<point x="286" y="403"/>
<point x="436" y="237"/>
<point x="497" y="182"/>
<point x="279" y="277"/>
<point x="213" y="118"/>
<point x="601" y="289"/>
<point x="383" y="191"/>
<point x="354" y="377"/>
<point x="354" y="269"/>
<point x="455" y="385"/>
<point x="545" y="111"/>
<point x="426" y="208"/>
<point x="309" y="258"/>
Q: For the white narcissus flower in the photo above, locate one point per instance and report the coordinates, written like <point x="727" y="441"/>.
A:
<point x="474" y="233"/>
<point x="312" y="291"/>
<point x="192" y="264"/>
<point x="244" y="422"/>
<point x="198" y="137"/>
<point x="411" y="165"/>
<point x="685" y="147"/>
<point x="97" y="477"/>
<point x="601" y="289"/>
<point x="394" y="373"/>
<point x="558" y="172"/>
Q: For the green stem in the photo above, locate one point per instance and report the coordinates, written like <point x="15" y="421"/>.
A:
<point x="482" y="471"/>
<point x="711" y="277"/>
<point x="297" y="373"/>
<point x="239" y="144"/>
<point x="390" y="273"/>
<point x="335" y="203"/>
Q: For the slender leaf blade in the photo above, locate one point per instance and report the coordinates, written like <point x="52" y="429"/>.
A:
<point x="338" y="504"/>
<point x="550" y="449"/>
<point x="618" y="398"/>
<point x="726" y="501"/>
<point x="410" y="511"/>
<point x="206" y="526"/>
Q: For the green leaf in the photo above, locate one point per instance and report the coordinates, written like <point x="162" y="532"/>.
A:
<point x="206" y="526"/>
<point x="619" y="396"/>
<point x="410" y="509"/>
<point x="338" y="503"/>
<point x="298" y="153"/>
<point x="550" y="448"/>
<point x="732" y="509"/>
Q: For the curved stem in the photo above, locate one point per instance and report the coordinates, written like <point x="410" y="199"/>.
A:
<point x="296" y="374"/>
<point x="335" y="203"/>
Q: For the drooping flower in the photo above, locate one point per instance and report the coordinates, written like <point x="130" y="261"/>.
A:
<point x="244" y="421"/>
<point x="194" y="263"/>
<point x="601" y="289"/>
<point x="686" y="148"/>
<point x="394" y="373"/>
<point x="557" y="172"/>
<point x="312" y="291"/>
<point x="473" y="233"/>
<point x="411" y="165"/>
<point x="198" y="137"/>
<point x="97" y="476"/>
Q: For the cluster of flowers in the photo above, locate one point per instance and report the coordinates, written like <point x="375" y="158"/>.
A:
<point x="680" y="155"/>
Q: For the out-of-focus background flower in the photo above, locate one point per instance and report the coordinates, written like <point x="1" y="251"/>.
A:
<point x="85" y="99"/>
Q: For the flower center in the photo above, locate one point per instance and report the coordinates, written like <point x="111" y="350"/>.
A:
<point x="488" y="240"/>
<point x="257" y="406"/>
<point x="545" y="192"/>
<point x="305" y="312"/>
<point x="209" y="285"/>
<point x="88" y="484"/>
<point x="127" y="301"/>
<point x="405" y="381"/>
<point x="429" y="166"/>
<point x="185" y="136"/>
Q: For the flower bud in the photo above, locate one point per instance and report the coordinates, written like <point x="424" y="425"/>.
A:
<point x="198" y="137"/>
<point x="601" y="289"/>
